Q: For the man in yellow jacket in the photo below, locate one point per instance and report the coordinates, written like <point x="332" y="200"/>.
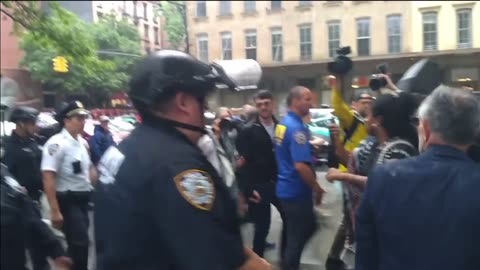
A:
<point x="352" y="124"/>
<point x="351" y="117"/>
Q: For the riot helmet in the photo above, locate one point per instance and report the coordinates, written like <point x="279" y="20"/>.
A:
<point x="24" y="114"/>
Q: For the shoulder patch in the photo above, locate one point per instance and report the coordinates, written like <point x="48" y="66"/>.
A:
<point x="196" y="187"/>
<point x="280" y="133"/>
<point x="53" y="148"/>
<point x="300" y="137"/>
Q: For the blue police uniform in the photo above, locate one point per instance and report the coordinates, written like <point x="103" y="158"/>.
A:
<point x="421" y="213"/>
<point x="163" y="206"/>
<point x="296" y="197"/>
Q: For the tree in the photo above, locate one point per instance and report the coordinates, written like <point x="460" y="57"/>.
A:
<point x="118" y="36"/>
<point x="64" y="33"/>
<point x="174" y="24"/>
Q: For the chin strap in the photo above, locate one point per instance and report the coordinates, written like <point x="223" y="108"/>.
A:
<point x="173" y="123"/>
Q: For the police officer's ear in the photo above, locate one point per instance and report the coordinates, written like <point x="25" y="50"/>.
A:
<point x="187" y="103"/>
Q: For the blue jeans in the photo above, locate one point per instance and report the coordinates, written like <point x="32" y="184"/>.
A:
<point x="301" y="224"/>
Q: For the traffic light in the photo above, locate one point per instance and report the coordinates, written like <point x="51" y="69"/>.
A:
<point x="60" y="64"/>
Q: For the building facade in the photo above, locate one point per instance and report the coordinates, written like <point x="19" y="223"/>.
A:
<point x="28" y="92"/>
<point x="294" y="40"/>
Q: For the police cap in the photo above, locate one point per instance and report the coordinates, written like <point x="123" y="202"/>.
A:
<point x="166" y="72"/>
<point x="70" y="109"/>
<point x="24" y="114"/>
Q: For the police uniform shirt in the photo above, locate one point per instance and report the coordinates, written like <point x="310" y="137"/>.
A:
<point x="159" y="204"/>
<point x="22" y="157"/>
<point x="292" y="146"/>
<point x="69" y="158"/>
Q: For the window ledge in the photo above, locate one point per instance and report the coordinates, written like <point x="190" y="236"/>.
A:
<point x="201" y="19"/>
<point x="430" y="9"/>
<point x="333" y="3"/>
<point x="225" y="16"/>
<point x="250" y="13"/>
<point x="464" y="5"/>
<point x="275" y="11"/>
<point x="360" y="2"/>
<point x="304" y="7"/>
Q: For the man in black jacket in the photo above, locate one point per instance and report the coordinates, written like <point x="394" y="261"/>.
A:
<point x="257" y="177"/>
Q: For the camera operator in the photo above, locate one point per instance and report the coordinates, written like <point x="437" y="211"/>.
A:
<point x="227" y="128"/>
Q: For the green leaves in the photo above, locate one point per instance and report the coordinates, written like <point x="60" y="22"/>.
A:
<point x="174" y="24"/>
<point x="64" y="33"/>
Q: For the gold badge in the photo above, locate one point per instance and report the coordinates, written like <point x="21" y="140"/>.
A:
<point x="196" y="187"/>
<point x="280" y="133"/>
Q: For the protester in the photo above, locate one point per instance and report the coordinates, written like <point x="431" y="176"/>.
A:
<point x="422" y="212"/>
<point x="258" y="175"/>
<point x="101" y="140"/>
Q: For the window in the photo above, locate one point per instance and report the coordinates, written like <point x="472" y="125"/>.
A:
<point x="202" y="40"/>
<point x="394" y="24"/>
<point x="250" y="6"/>
<point x="225" y="8"/>
<point x="148" y="50"/>
<point x="99" y="15"/>
<point x="304" y="3"/>
<point x="277" y="46"/>
<point x="251" y="44"/>
<point x="145" y="32"/>
<point x="201" y="9"/>
<point x="226" y="45"/>
<point x="145" y="11"/>
<point x="275" y="5"/>
<point x="333" y="38"/>
<point x="363" y="37"/>
<point x="155" y="32"/>
<point x="429" y="31"/>
<point x="306" y="42"/>
<point x="464" y="24"/>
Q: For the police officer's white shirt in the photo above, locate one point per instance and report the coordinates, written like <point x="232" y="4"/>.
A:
<point x="59" y="154"/>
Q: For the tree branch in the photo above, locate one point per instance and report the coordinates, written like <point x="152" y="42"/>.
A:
<point x="14" y="19"/>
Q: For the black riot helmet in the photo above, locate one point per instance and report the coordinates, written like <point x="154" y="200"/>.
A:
<point x="24" y="114"/>
<point x="161" y="75"/>
<point x="164" y="73"/>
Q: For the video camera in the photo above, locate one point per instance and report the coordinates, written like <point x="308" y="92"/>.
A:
<point x="377" y="82"/>
<point x="341" y="64"/>
<point x="228" y="124"/>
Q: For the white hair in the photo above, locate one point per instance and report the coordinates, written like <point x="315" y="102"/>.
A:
<point x="453" y="114"/>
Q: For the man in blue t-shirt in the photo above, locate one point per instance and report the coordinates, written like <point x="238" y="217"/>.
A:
<point x="297" y="184"/>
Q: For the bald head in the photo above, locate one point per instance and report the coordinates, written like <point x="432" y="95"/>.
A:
<point x="299" y="100"/>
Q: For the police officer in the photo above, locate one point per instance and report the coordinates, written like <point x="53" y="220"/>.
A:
<point x="68" y="176"/>
<point x="160" y="204"/>
<point x="22" y="153"/>
<point x="22" y="224"/>
<point x="296" y="182"/>
<point x="22" y="157"/>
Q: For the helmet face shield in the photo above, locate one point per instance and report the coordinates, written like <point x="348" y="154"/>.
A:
<point x="238" y="75"/>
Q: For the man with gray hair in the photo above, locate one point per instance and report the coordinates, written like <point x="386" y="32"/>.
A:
<point x="424" y="212"/>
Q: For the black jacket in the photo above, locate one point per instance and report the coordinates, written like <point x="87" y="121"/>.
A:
<point x="21" y="222"/>
<point x="23" y="158"/>
<point x="256" y="147"/>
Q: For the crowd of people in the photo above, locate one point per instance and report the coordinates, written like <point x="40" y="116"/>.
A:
<point x="174" y="193"/>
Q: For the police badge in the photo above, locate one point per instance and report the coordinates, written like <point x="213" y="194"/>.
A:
<point x="197" y="188"/>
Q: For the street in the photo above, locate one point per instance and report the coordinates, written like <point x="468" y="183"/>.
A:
<point x="315" y="254"/>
